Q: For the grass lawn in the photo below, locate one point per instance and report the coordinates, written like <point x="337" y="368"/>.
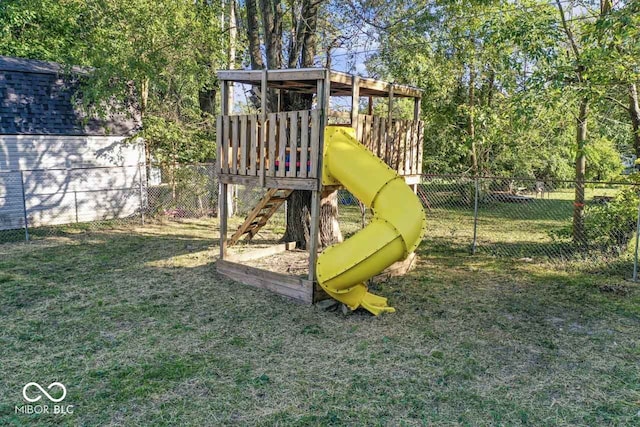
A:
<point x="142" y="331"/>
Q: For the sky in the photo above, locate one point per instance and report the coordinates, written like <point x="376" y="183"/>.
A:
<point x="349" y="59"/>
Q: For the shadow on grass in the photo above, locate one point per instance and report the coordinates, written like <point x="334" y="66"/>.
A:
<point x="110" y="248"/>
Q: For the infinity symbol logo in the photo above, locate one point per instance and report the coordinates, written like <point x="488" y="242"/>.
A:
<point x="43" y="391"/>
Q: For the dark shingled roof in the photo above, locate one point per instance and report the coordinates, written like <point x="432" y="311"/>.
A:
<point x="36" y="98"/>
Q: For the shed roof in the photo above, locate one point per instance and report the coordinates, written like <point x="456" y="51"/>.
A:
<point x="304" y="80"/>
<point x="36" y="97"/>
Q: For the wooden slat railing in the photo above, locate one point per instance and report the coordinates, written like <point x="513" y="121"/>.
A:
<point x="399" y="143"/>
<point x="291" y="148"/>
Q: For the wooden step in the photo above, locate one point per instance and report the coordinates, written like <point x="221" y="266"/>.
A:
<point x="263" y="211"/>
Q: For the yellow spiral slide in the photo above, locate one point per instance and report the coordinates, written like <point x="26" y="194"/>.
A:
<point x="395" y="231"/>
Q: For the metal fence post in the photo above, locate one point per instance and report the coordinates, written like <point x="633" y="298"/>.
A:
<point x="75" y="204"/>
<point x="141" y="193"/>
<point x="24" y="207"/>
<point x="635" y="257"/>
<point x="475" y="217"/>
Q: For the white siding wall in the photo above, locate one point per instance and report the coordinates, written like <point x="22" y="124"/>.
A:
<point x="57" y="191"/>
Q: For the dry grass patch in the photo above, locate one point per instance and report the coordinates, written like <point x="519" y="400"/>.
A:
<point x="143" y="331"/>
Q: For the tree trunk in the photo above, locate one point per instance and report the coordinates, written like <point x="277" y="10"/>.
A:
<point x="302" y="50"/>
<point x="207" y="101"/>
<point x="298" y="218"/>
<point x="329" y="227"/>
<point x="579" y="236"/>
<point x="310" y="20"/>
<point x="634" y="113"/>
<point x="233" y="36"/>
<point x="144" y="101"/>
<point x="253" y="35"/>
<point x="272" y="25"/>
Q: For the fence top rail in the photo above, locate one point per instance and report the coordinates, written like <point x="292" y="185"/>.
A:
<point x="424" y="175"/>
<point x="71" y="169"/>
<point x="205" y="164"/>
<point x="520" y="178"/>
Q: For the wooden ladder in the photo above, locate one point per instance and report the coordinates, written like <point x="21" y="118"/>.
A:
<point x="258" y="217"/>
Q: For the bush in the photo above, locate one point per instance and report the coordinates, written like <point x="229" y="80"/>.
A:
<point x="610" y="226"/>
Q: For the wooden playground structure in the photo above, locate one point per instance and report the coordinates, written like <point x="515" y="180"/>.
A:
<point x="281" y="151"/>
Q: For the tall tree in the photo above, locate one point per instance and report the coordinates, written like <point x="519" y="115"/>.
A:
<point x="164" y="51"/>
<point x="267" y="36"/>
<point x="581" y="132"/>
<point x="501" y="76"/>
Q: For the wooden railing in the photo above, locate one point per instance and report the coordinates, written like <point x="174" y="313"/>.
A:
<point x="289" y="147"/>
<point x="399" y="143"/>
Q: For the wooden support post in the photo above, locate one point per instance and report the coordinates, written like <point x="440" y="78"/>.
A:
<point x="226" y="111"/>
<point x="391" y="150"/>
<point x="324" y="118"/>
<point x="416" y="109"/>
<point x="280" y="100"/>
<point x="390" y="112"/>
<point x="222" y="206"/>
<point x="228" y="107"/>
<point x="370" y="106"/>
<point x="224" y="93"/>
<point x="263" y="120"/>
<point x="314" y="235"/>
<point x="355" y="101"/>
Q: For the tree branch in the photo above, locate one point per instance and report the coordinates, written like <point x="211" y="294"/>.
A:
<point x="619" y="103"/>
<point x="567" y="30"/>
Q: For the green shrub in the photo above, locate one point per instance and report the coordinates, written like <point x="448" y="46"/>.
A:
<point x="610" y="226"/>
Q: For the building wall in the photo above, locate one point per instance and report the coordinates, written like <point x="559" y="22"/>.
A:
<point x="68" y="179"/>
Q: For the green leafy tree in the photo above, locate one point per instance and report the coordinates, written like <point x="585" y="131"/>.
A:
<point x="162" y="52"/>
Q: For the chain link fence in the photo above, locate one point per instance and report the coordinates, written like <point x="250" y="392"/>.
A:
<point x="524" y="219"/>
<point x="533" y="220"/>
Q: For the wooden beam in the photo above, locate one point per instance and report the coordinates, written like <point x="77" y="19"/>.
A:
<point x="224" y="157"/>
<point x="412" y="179"/>
<point x="304" y="143"/>
<point x="282" y="144"/>
<point x="314" y="232"/>
<point x="324" y="90"/>
<point x="272" y="182"/>
<point x="248" y="76"/>
<point x="390" y="112"/>
<point x="293" y="287"/>
<point x="377" y="86"/>
<point x="219" y="144"/>
<point x="293" y="143"/>
<point x="355" y="101"/>
<point x="343" y="81"/>
<point x="272" y="152"/>
<point x="263" y="120"/>
<point x="224" y="94"/>
<point x="315" y="144"/>
<point x="222" y="207"/>
<point x="390" y="140"/>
